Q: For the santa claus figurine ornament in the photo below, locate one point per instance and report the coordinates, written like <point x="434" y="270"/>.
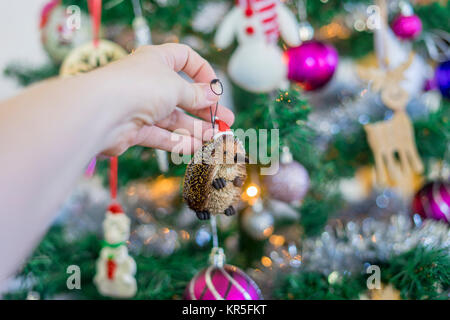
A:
<point x="257" y="63"/>
<point x="215" y="175"/>
<point x="62" y="29"/>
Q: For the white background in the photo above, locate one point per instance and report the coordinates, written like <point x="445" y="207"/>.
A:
<point x="19" y="38"/>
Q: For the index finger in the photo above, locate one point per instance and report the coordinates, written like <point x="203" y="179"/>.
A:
<point x="181" y="57"/>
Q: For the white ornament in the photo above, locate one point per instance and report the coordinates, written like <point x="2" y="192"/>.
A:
<point x="257" y="63"/>
<point x="352" y="190"/>
<point x="208" y="16"/>
<point x="115" y="267"/>
<point x="59" y="35"/>
<point x="388" y="46"/>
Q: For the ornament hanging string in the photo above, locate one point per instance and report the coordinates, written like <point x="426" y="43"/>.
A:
<point x="215" y="238"/>
<point x="90" y="170"/>
<point x="301" y="10"/>
<point x="137" y="8"/>
<point x="95" y="11"/>
<point x="113" y="168"/>
<point x="383" y="59"/>
<point x="217" y="88"/>
<point x="217" y="256"/>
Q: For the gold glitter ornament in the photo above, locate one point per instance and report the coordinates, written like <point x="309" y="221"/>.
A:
<point x="91" y="56"/>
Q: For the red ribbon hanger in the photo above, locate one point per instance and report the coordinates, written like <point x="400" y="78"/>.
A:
<point x="95" y="10"/>
<point x="113" y="168"/>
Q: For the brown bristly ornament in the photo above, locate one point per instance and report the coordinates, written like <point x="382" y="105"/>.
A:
<point x="215" y="175"/>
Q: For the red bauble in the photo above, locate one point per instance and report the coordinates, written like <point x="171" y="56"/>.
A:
<point x="407" y="26"/>
<point x="312" y="64"/>
<point x="433" y="201"/>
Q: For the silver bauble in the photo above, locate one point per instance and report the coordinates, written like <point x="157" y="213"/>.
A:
<point x="258" y="222"/>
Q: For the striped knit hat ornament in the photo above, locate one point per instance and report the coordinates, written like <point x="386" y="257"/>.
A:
<point x="432" y="201"/>
<point x="257" y="64"/>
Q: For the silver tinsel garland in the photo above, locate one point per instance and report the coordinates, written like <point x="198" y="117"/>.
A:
<point x="350" y="247"/>
<point x="344" y="246"/>
<point x="347" y="249"/>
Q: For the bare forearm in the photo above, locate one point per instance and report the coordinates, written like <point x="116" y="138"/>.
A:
<point x="50" y="132"/>
<point x="47" y="135"/>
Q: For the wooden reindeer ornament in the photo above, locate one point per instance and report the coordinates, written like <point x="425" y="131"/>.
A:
<point x="392" y="141"/>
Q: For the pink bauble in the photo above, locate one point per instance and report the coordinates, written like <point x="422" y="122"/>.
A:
<point x="312" y="64"/>
<point x="407" y="27"/>
<point x="433" y="201"/>
<point x="289" y="184"/>
<point x="226" y="283"/>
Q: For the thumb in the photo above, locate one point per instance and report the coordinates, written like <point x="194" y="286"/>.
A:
<point x="194" y="96"/>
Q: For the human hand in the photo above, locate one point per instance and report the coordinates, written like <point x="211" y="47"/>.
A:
<point x="150" y="90"/>
<point x="51" y="130"/>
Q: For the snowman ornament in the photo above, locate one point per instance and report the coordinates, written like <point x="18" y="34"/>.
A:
<point x="115" y="268"/>
<point x="257" y="64"/>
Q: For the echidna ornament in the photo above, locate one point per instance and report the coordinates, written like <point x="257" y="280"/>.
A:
<point x="215" y="175"/>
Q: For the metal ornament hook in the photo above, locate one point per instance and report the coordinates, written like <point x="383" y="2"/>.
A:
<point x="217" y="88"/>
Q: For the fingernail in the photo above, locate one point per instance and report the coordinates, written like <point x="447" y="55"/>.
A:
<point x="211" y="97"/>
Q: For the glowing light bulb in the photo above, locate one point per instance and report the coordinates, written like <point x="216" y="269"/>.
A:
<point x="252" y="191"/>
<point x="266" y="262"/>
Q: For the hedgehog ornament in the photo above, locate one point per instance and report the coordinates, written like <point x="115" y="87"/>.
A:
<point x="215" y="175"/>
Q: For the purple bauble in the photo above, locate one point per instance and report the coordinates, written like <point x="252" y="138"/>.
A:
<point x="430" y="84"/>
<point x="312" y="64"/>
<point x="407" y="26"/>
<point x="226" y="283"/>
<point x="289" y="184"/>
<point x="433" y="201"/>
<point x="442" y="78"/>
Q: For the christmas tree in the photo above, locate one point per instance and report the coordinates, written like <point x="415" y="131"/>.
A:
<point x="351" y="100"/>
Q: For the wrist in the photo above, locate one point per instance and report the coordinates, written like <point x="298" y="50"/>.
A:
<point x="116" y="106"/>
<point x="99" y="104"/>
